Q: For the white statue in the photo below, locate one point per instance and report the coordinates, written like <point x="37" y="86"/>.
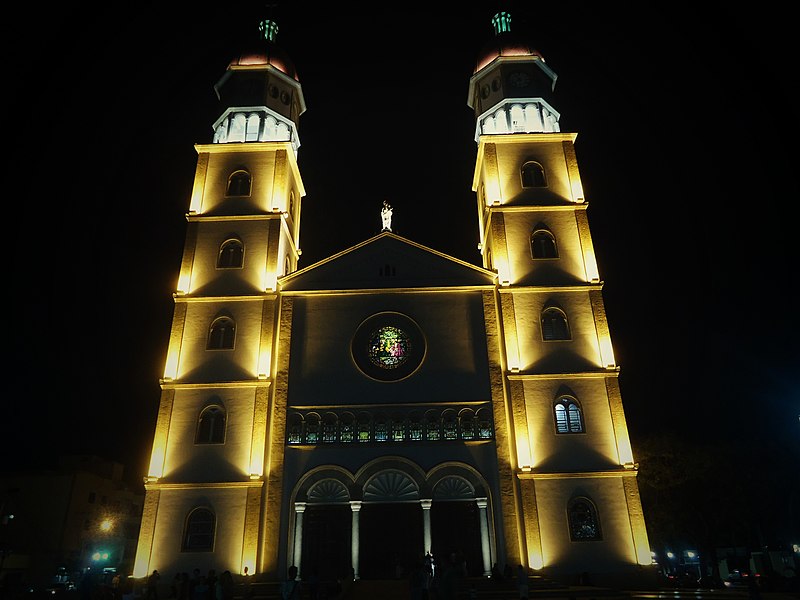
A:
<point x="386" y="216"/>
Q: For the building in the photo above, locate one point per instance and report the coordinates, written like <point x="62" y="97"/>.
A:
<point x="348" y="416"/>
<point x="61" y="523"/>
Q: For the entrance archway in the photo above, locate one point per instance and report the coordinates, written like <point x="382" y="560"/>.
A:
<point x="390" y="540"/>
<point x="455" y="529"/>
<point x="326" y="547"/>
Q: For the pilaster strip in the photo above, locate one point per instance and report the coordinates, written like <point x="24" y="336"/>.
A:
<point x="510" y="330"/>
<point x="504" y="436"/>
<point x="272" y="510"/>
<point x="147" y="529"/>
<point x="158" y="454"/>
<point x="252" y="519"/>
<point x="641" y="544"/>
<point x="576" y="187"/>
<point x="587" y="247"/>
<point x="533" y="533"/>
<point x="621" y="435"/>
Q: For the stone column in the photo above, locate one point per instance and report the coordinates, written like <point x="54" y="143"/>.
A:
<point x="485" y="551"/>
<point x="299" y="509"/>
<point x="426" y="525"/>
<point x="355" y="507"/>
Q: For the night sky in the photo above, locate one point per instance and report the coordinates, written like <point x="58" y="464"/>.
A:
<point x="685" y="146"/>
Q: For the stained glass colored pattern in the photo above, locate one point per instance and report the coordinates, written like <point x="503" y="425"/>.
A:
<point x="389" y="347"/>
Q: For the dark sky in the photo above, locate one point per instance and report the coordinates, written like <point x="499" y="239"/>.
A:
<point x="686" y="147"/>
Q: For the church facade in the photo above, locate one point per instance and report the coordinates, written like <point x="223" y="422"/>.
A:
<point x="391" y="400"/>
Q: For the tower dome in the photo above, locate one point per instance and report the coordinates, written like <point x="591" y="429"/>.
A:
<point x="266" y="52"/>
<point x="505" y="43"/>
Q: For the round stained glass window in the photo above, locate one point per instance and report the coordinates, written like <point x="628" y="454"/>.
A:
<point x="388" y="346"/>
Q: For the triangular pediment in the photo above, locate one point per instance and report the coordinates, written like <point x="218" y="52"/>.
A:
<point x="387" y="261"/>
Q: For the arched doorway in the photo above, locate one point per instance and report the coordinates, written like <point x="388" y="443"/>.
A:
<point x="326" y="543"/>
<point x="390" y="540"/>
<point x="455" y="530"/>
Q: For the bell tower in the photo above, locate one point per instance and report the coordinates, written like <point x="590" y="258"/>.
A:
<point x="571" y="440"/>
<point x="209" y="457"/>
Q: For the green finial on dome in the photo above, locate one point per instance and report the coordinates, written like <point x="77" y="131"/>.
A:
<point x="501" y="22"/>
<point x="269" y="29"/>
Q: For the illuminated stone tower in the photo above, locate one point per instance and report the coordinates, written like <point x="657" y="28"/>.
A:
<point x="575" y="476"/>
<point x="390" y="400"/>
<point x="205" y="487"/>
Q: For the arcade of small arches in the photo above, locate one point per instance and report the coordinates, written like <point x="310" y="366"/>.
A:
<point x="515" y="116"/>
<point x="410" y="425"/>
<point x="258" y="124"/>
<point x="390" y="480"/>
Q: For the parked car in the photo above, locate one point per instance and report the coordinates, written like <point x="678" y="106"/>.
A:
<point x="739" y="579"/>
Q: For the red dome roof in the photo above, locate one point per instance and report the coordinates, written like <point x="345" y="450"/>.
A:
<point x="505" y="44"/>
<point x="266" y="54"/>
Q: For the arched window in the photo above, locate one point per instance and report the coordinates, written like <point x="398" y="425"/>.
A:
<point x="467" y="424"/>
<point x="543" y="244"/>
<point x="211" y="426"/>
<point x="569" y="418"/>
<point x="381" y="429"/>
<point x="347" y="427"/>
<point x="329" y="428"/>
<point x="450" y="425"/>
<point x="221" y="334"/>
<point x="238" y="184"/>
<point x="312" y="428"/>
<point x="198" y="533"/>
<point x="253" y="124"/>
<point x="364" y="428"/>
<point x="294" y="429"/>
<point x="533" y="175"/>
<point x="432" y="423"/>
<point x="398" y="429"/>
<point x="554" y="325"/>
<point x="231" y="255"/>
<point x="584" y="524"/>
<point x="415" y="427"/>
<point x="484" y="418"/>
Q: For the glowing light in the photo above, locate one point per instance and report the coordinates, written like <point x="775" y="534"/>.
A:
<point x="106" y="525"/>
<point x="157" y="460"/>
<point x="607" y="353"/>
<point x="670" y="555"/>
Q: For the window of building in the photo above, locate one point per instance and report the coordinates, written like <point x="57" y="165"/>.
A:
<point x="239" y="184"/>
<point x="584" y="524"/>
<point x="543" y="244"/>
<point x="432" y="422"/>
<point x="211" y="426"/>
<point x="294" y="429"/>
<point x="554" y="325"/>
<point x="484" y="418"/>
<point x="450" y="425"/>
<point x="364" y="428"/>
<point x="198" y="535"/>
<point x="329" y="428"/>
<point x="569" y="418"/>
<point x="231" y="255"/>
<point x="381" y="429"/>
<point x="467" y="425"/>
<point x="533" y="175"/>
<point x="312" y="428"/>
<point x="92" y="496"/>
<point x="221" y="334"/>
<point x="398" y="429"/>
<point x="347" y="427"/>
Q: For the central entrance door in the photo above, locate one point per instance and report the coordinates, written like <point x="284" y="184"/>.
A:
<point x="390" y="540"/>
<point x="326" y="542"/>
